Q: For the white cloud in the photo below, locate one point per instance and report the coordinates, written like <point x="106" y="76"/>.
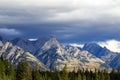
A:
<point x="7" y="31"/>
<point x="76" y="45"/>
<point x="113" y="45"/>
<point x="20" y="11"/>
<point x="33" y="39"/>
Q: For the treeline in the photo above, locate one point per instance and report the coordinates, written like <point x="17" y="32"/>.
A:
<point x="24" y="72"/>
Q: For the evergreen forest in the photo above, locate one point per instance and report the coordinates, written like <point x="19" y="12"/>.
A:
<point x="24" y="72"/>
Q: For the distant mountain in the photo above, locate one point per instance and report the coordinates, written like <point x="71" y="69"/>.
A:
<point x="15" y="54"/>
<point x="31" y="46"/>
<point x="47" y="52"/>
<point x="4" y="40"/>
<point x="55" y="55"/>
<point x="51" y="53"/>
<point x="25" y="44"/>
<point x="88" y="59"/>
<point x="101" y="52"/>
<point x="115" y="63"/>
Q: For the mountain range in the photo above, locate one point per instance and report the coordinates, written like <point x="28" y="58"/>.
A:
<point x="49" y="54"/>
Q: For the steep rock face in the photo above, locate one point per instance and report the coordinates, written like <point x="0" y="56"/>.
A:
<point x="15" y="54"/>
<point x="45" y="49"/>
<point x="30" y="46"/>
<point x="51" y="53"/>
<point x="103" y="53"/>
<point x="88" y="59"/>
<point x="82" y="55"/>
<point x="115" y="63"/>
<point x="94" y="49"/>
<point x="55" y="56"/>
<point x="24" y="44"/>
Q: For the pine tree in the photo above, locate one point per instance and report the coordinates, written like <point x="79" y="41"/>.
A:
<point x="84" y="77"/>
<point x="36" y="74"/>
<point x="20" y="71"/>
<point x="79" y="77"/>
<point x="2" y="70"/>
<point x="65" y="73"/>
<point x="23" y="71"/>
<point x="27" y="71"/>
<point x="96" y="75"/>
<point x="9" y="70"/>
<point x="59" y="76"/>
<point x="46" y="77"/>
<point x="113" y="75"/>
<point x="107" y="77"/>
<point x="101" y="75"/>
<point x="72" y="75"/>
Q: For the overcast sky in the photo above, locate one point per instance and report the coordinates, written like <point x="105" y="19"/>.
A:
<point x="70" y="21"/>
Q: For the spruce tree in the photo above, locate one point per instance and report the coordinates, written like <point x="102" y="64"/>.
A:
<point x="84" y="77"/>
<point x="27" y="71"/>
<point x="101" y="75"/>
<point x="96" y="75"/>
<point x="79" y="77"/>
<point x="36" y="74"/>
<point x="2" y="70"/>
<point x="20" y="71"/>
<point x="65" y="73"/>
<point x="107" y="76"/>
<point x="59" y="76"/>
<point x="23" y="71"/>
<point x="9" y="70"/>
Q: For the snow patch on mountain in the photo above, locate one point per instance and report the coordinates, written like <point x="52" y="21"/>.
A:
<point x="33" y="39"/>
<point x="77" y="45"/>
<point x="113" y="45"/>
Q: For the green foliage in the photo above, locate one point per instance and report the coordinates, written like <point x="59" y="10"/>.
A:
<point x="96" y="75"/>
<point x="107" y="76"/>
<point x="2" y="70"/>
<point x="6" y="70"/>
<point x="84" y="77"/>
<point x="79" y="77"/>
<point x="36" y="74"/>
<point x="24" y="72"/>
<point x="65" y="73"/>
<point x="9" y="70"/>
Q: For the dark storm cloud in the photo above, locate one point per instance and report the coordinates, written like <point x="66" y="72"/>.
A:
<point x="67" y="20"/>
<point x="69" y="33"/>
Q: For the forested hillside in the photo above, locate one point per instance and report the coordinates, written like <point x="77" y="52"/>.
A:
<point x="24" y="72"/>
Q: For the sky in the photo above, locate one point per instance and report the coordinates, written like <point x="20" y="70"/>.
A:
<point x="70" y="21"/>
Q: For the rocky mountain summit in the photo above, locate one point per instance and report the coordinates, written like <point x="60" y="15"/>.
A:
<point x="49" y="53"/>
